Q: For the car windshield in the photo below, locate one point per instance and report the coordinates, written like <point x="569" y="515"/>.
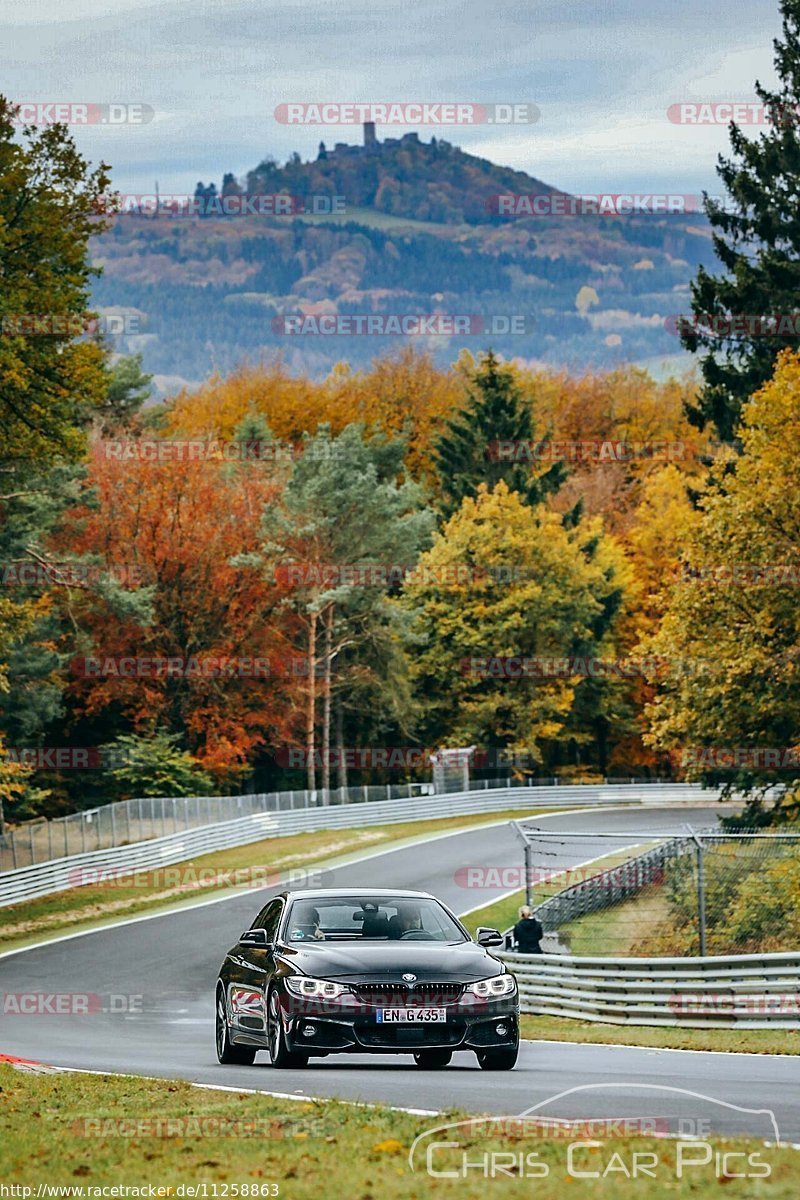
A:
<point x="370" y="918"/>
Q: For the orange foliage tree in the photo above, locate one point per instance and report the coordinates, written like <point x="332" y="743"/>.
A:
<point x="174" y="529"/>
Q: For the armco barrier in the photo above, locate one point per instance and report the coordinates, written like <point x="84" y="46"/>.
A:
<point x="59" y="874"/>
<point x="756" y="991"/>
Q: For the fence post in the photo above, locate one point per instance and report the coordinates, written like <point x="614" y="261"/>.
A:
<point x="701" y="897"/>
<point x="528" y="875"/>
<point x="701" y="891"/>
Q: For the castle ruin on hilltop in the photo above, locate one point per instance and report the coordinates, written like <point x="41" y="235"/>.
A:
<point x="371" y="145"/>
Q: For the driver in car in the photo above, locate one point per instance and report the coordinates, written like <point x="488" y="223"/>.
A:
<point x="308" y="922"/>
<point x="404" y="921"/>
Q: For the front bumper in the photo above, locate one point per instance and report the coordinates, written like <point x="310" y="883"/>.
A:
<point x="350" y="1025"/>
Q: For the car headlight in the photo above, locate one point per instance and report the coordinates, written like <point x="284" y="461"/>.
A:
<point x="304" y="985"/>
<point x="498" y="985"/>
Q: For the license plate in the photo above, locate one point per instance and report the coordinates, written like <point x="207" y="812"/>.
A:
<point x="411" y="1016"/>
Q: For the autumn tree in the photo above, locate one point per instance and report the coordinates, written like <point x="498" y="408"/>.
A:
<point x="732" y="626"/>
<point x="506" y="581"/>
<point x="49" y="381"/>
<point x="346" y="528"/>
<point x="171" y="531"/>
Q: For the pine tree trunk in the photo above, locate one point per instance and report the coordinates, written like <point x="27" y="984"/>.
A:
<point x="311" y="775"/>
<point x="340" y="758"/>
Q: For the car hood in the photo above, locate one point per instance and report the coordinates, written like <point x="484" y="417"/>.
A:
<point x="463" y="962"/>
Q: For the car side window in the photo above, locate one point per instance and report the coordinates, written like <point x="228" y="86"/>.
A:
<point x="272" y="918"/>
<point x="269" y="919"/>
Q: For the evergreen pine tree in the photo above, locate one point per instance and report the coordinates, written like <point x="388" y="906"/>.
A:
<point x="757" y="240"/>
<point x="469" y="451"/>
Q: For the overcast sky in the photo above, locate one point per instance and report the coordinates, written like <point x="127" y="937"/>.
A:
<point x="602" y="75"/>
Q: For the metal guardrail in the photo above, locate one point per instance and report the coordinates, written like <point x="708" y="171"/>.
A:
<point x="756" y="991"/>
<point x="126" y="821"/>
<point x="59" y="874"/>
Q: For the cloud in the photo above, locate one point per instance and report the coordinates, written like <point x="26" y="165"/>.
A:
<point x="602" y="75"/>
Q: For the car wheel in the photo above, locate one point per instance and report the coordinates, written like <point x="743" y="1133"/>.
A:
<point x="227" y="1053"/>
<point x="498" y="1060"/>
<point x="279" y="1052"/>
<point x="431" y="1060"/>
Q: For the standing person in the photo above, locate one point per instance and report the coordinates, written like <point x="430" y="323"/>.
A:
<point x="528" y="932"/>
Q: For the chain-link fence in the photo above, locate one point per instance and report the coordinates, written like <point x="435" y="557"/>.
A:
<point x="708" y="892"/>
<point x="130" y="821"/>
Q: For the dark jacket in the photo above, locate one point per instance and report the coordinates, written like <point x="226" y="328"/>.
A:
<point x="528" y="934"/>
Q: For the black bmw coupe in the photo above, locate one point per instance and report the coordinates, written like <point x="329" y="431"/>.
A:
<point x="340" y="971"/>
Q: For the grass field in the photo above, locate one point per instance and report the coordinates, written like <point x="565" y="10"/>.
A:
<point x="272" y="860"/>
<point x="620" y="929"/>
<point x="87" y="1131"/>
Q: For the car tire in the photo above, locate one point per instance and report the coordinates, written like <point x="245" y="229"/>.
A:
<point x="433" y="1060"/>
<point x="498" y="1060"/>
<point x="227" y="1053"/>
<point x="280" y="1054"/>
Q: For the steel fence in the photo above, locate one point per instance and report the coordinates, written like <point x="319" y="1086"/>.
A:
<point x="42" y="878"/>
<point x="610" y="886"/>
<point x="127" y="821"/>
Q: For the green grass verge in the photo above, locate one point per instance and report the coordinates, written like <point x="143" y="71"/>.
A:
<point x="271" y="860"/>
<point x="749" y="1041"/>
<point x="82" y="1132"/>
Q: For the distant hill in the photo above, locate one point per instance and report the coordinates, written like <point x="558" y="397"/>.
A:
<point x="421" y="233"/>
<point x="402" y="177"/>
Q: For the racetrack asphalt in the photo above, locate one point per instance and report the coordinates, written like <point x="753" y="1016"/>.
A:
<point x="170" y="961"/>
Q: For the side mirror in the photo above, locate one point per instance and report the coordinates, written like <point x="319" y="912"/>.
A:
<point x="488" y="937"/>
<point x="254" y="937"/>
